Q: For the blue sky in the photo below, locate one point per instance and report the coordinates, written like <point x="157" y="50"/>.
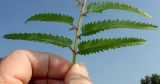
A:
<point x="119" y="66"/>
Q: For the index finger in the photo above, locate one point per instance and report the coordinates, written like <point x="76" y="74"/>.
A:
<point x="22" y="64"/>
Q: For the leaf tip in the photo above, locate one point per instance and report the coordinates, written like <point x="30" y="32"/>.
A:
<point x="25" y="22"/>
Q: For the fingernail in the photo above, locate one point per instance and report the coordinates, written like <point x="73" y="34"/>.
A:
<point x="80" y="68"/>
<point x="83" y="64"/>
<point x="83" y="69"/>
<point x="78" y="73"/>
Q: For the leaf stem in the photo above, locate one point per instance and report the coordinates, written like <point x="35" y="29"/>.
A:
<point x="77" y="31"/>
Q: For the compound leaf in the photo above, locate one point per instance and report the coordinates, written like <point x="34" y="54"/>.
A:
<point x="40" y="37"/>
<point x="95" y="27"/>
<point x="51" y="17"/>
<point x="96" y="45"/>
<point x="98" y="7"/>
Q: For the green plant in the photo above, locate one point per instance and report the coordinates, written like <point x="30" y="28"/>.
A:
<point x="154" y="79"/>
<point x="90" y="46"/>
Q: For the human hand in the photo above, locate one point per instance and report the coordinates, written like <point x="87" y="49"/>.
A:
<point x="30" y="67"/>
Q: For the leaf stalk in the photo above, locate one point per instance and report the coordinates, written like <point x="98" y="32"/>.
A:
<point x="77" y="31"/>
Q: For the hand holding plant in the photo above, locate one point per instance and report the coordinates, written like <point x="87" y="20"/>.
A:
<point x="31" y="67"/>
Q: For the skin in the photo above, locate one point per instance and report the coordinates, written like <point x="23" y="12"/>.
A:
<point x="31" y="67"/>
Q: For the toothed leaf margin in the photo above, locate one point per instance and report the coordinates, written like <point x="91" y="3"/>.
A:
<point x="41" y="37"/>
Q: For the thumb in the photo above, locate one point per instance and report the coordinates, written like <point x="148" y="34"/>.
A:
<point x="78" y="74"/>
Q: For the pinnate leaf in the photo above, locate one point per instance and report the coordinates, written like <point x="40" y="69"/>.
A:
<point x="98" y="7"/>
<point x="95" y="27"/>
<point x="93" y="46"/>
<point x="39" y="37"/>
<point x="51" y="17"/>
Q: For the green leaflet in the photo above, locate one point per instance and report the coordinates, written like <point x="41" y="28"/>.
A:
<point x="98" y="7"/>
<point x="51" y="17"/>
<point x="95" y="27"/>
<point x="78" y="3"/>
<point x="39" y="37"/>
<point x="93" y="46"/>
<point x="72" y="28"/>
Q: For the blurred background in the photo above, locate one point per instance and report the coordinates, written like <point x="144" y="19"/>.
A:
<point x="119" y="66"/>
